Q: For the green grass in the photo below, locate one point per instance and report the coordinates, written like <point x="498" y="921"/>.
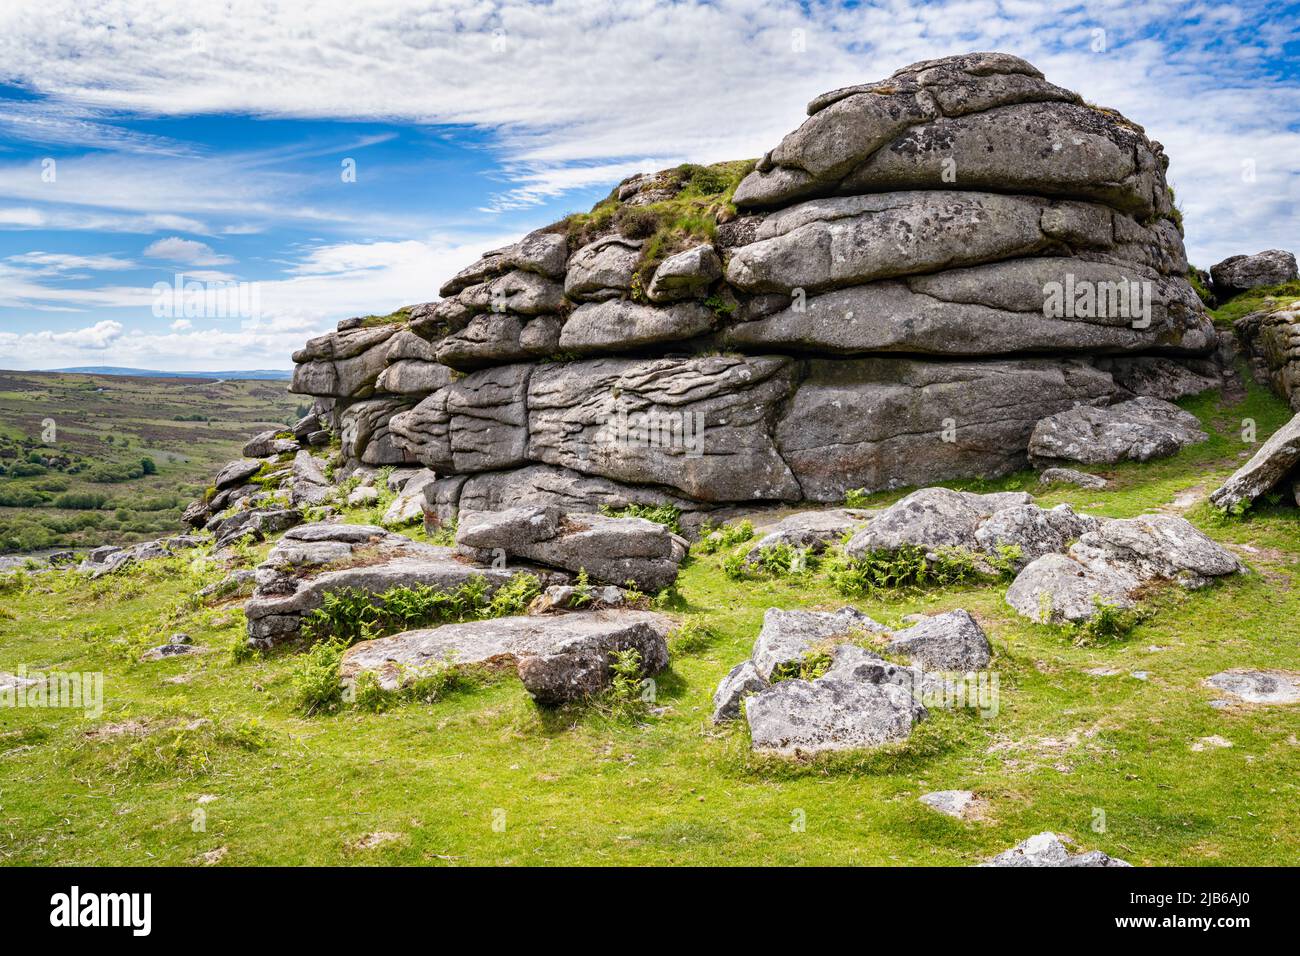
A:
<point x="691" y="216"/>
<point x="1265" y="298"/>
<point x="103" y="427"/>
<point x="595" y="786"/>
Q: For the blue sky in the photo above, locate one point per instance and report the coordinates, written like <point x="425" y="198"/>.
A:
<point x="143" y="139"/>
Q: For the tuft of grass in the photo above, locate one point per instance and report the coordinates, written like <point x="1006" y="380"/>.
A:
<point x="1263" y="299"/>
<point x="670" y="516"/>
<point x="908" y="567"/>
<point x="351" y="614"/>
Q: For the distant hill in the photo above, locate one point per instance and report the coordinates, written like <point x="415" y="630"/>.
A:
<point x="258" y="373"/>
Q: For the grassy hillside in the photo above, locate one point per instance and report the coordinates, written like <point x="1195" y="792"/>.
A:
<point x="73" y="449"/>
<point x="208" y="759"/>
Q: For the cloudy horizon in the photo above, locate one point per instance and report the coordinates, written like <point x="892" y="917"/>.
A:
<point x="347" y="162"/>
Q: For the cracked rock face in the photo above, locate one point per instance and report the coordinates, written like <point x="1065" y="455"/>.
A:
<point x="908" y="283"/>
<point x="1271" y="342"/>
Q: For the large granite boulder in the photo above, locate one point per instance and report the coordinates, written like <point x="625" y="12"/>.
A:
<point x="1239" y="273"/>
<point x="934" y="519"/>
<point x="1111" y="563"/>
<point x="894" y="295"/>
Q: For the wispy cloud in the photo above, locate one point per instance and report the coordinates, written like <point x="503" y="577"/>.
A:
<point x="573" y="90"/>
<point x="186" y="251"/>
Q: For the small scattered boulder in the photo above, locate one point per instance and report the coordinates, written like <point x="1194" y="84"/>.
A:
<point x="953" y="803"/>
<point x="1239" y="273"/>
<point x="740" y="682"/>
<point x="268" y="444"/>
<point x="1136" y="430"/>
<point x="570" y="597"/>
<point x="813" y="531"/>
<point x="1069" y="476"/>
<point x="408" y="506"/>
<point x="1032" y="531"/>
<point x="363" y="495"/>
<point x="254" y="523"/>
<point x="237" y="472"/>
<point x="1048" y="849"/>
<point x="1257" y="687"/>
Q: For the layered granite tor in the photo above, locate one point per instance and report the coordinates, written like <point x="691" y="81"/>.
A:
<point x="867" y="311"/>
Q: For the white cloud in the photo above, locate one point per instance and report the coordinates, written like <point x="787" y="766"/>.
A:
<point x="326" y="282"/>
<point x="29" y="217"/>
<point x="53" y="263"/>
<point x="94" y="338"/>
<point x="186" y="251"/>
<point x="574" y="89"/>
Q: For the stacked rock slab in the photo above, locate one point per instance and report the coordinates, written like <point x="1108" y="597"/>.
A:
<point x="1271" y="343"/>
<point x="894" y="296"/>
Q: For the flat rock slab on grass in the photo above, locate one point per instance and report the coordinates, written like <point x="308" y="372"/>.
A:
<point x="797" y="718"/>
<point x="1258" y="687"/>
<point x="313" y="560"/>
<point x="559" y="657"/>
<point x="1274" y="461"/>
<point x="1069" y="476"/>
<point x="1212" y="742"/>
<point x="1048" y="849"/>
<point x="164" y="651"/>
<point x="12" y="682"/>
<point x="954" y="803"/>
<point x="1137" y="430"/>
